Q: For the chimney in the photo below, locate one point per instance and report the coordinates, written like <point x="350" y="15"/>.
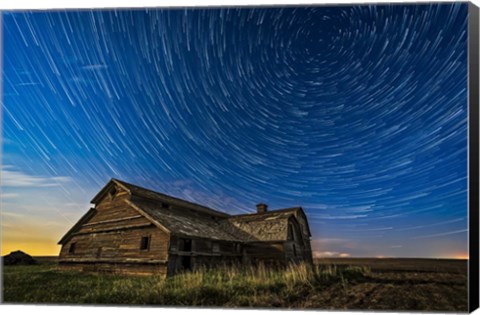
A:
<point x="262" y="208"/>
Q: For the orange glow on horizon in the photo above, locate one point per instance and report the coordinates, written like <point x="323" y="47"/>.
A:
<point x="32" y="249"/>
<point x="461" y="256"/>
<point x="31" y="237"/>
<point x="48" y="248"/>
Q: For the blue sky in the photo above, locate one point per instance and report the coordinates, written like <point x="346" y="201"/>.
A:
<point x="356" y="113"/>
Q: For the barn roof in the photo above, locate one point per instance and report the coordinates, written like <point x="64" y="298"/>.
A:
<point x="138" y="191"/>
<point x="87" y="216"/>
<point x="268" y="226"/>
<point x="185" y="218"/>
<point x="186" y="222"/>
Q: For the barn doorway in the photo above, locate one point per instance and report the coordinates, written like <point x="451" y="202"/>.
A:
<point x="187" y="263"/>
<point x="186" y="259"/>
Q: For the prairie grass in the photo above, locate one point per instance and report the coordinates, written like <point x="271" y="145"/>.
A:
<point x="233" y="286"/>
<point x="322" y="286"/>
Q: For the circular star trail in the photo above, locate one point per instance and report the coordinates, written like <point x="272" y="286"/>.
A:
<point x="356" y="113"/>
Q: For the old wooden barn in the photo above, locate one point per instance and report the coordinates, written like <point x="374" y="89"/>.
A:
<point x="135" y="230"/>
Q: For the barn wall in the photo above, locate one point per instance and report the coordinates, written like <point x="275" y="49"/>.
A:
<point x="307" y="249"/>
<point x="307" y="254"/>
<point x="295" y="247"/>
<point x="114" y="234"/>
<point x="265" y="252"/>
<point x="204" y="253"/>
<point x="108" y="202"/>
<point x="117" y="246"/>
<point x="157" y="269"/>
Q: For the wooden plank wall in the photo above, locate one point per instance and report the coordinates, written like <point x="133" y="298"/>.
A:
<point x="307" y="249"/>
<point x="114" y="235"/>
<point x="296" y="249"/>
<point x="268" y="253"/>
<point x="204" y="253"/>
<point x="128" y="269"/>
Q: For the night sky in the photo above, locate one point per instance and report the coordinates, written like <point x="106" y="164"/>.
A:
<point x="356" y="113"/>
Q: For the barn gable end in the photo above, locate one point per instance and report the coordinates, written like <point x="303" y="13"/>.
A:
<point x="110" y="237"/>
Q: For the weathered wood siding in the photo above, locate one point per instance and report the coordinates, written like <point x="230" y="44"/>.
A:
<point x="295" y="248"/>
<point x="203" y="253"/>
<point x="307" y="249"/>
<point x="157" y="269"/>
<point x="113" y="236"/>
<point x="264" y="252"/>
<point x="117" y="246"/>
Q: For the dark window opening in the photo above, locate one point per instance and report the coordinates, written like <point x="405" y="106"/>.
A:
<point x="113" y="192"/>
<point x="187" y="245"/>
<point x="187" y="263"/>
<point x="290" y="231"/>
<point x="71" y="250"/>
<point x="145" y="243"/>
<point x="165" y="205"/>
<point x="294" y="250"/>
<point x="216" y="247"/>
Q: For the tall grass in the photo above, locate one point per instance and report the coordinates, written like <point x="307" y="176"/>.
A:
<point x="233" y="286"/>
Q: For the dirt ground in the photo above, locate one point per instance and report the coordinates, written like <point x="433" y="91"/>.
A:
<point x="398" y="284"/>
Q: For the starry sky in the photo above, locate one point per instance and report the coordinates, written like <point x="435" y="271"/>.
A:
<point x="356" y="113"/>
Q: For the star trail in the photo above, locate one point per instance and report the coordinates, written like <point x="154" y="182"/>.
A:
<point x="356" y="113"/>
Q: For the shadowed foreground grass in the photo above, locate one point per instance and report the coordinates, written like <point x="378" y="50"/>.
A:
<point x="299" y="286"/>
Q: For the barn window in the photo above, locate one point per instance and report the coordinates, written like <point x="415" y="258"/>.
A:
<point x="216" y="247"/>
<point x="145" y="243"/>
<point x="165" y="205"/>
<point x="294" y="250"/>
<point x="71" y="250"/>
<point x="113" y="192"/>
<point x="290" y="231"/>
<point x="185" y="245"/>
<point x="237" y="248"/>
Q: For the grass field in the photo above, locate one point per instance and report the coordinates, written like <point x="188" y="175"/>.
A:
<point x="381" y="284"/>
